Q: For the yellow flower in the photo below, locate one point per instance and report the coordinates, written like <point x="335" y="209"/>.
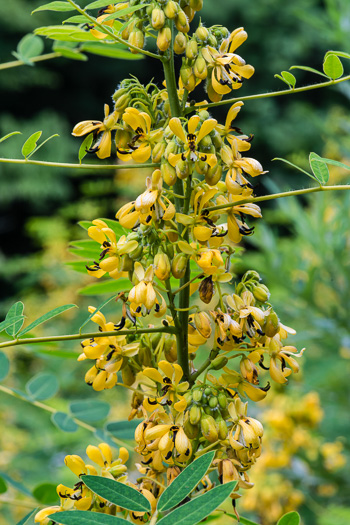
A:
<point x="234" y="382"/>
<point x="201" y="227"/>
<point x="242" y="141"/>
<point x="235" y="182"/>
<point x="283" y="354"/>
<point x="171" y="388"/>
<point x="103" y="145"/>
<point x="43" y="516"/>
<point x="249" y="317"/>
<point x="140" y="147"/>
<point x="236" y="225"/>
<point x="144" y="294"/>
<point x="227" y="68"/>
<point x="191" y="140"/>
<point x="227" y="331"/>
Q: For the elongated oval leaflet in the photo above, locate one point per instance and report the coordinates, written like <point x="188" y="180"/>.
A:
<point x="30" y="143"/>
<point x="5" y="137"/>
<point x="333" y="67"/>
<point x="85" y="517"/>
<point x="199" y="508"/>
<point x="30" y="46"/>
<point x="117" y="493"/>
<point x="4" y="366"/>
<point x="27" y="518"/>
<point x="55" y="6"/>
<point x="10" y="322"/>
<point x="46" y="317"/>
<point x="183" y="485"/>
<point x="42" y="386"/>
<point x="122" y="429"/>
<point x="319" y="168"/>
<point x="15" y="311"/>
<point x="291" y="518"/>
<point x="89" y="410"/>
<point x="64" y="422"/>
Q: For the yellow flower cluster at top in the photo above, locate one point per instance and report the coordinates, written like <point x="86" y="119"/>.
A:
<point x="174" y="247"/>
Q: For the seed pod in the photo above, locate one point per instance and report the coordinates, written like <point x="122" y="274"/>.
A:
<point x="200" y="68"/>
<point x="158" y="18"/>
<point x="213" y="175"/>
<point x="180" y="42"/>
<point x="272" y="325"/>
<point x="192" y="49"/>
<point x="164" y="39"/>
<point x="187" y="77"/>
<point x="136" y="39"/>
<point x="209" y="429"/>
<point x="206" y="290"/>
<point x="181" y="22"/>
<point x="162" y="266"/>
<point x="202" y="33"/>
<point x="182" y="169"/>
<point x="197" y="5"/>
<point x="158" y="152"/>
<point x="168" y="173"/>
<point x="171" y="9"/>
<point x="179" y="265"/>
<point x="219" y="362"/>
<point x="195" y="415"/>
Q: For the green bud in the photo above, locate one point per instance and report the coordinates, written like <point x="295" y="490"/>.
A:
<point x="168" y="173"/>
<point x="181" y="22"/>
<point x="136" y="39"/>
<point x="192" y="49"/>
<point x="187" y="77"/>
<point x="200" y="68"/>
<point x="164" y="39"/>
<point x="213" y="175"/>
<point x="222" y="399"/>
<point x="209" y="429"/>
<point x="195" y="415"/>
<point x="128" y="375"/>
<point x="219" y="362"/>
<point x="213" y="402"/>
<point x="208" y="391"/>
<point x="212" y="41"/>
<point x="196" y="4"/>
<point x="272" y="324"/>
<point x="222" y="428"/>
<point x="180" y="43"/>
<point x="191" y="431"/>
<point x="202" y="33"/>
<point x="197" y="395"/>
<point x="251" y="275"/>
<point x="179" y="265"/>
<point x="182" y="169"/>
<point x="171" y="9"/>
<point x="261" y="293"/>
<point x="158" y="152"/>
<point x="158" y="18"/>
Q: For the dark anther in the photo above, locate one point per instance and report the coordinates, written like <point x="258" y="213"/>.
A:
<point x="87" y="26"/>
<point x="138" y="309"/>
<point x="260" y="332"/>
<point x="157" y="308"/>
<point x="261" y="364"/>
<point x="147" y="462"/>
<point x="121" y="324"/>
<point x="168" y="456"/>
<point x="109" y="356"/>
<point x="265" y="388"/>
<point x="153" y="402"/>
<point x="167" y="380"/>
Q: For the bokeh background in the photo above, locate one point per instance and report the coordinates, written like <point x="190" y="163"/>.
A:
<point x="301" y="250"/>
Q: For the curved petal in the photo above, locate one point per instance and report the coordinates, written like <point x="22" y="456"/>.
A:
<point x="105" y="144"/>
<point x="206" y="128"/>
<point x="177" y="129"/>
<point x="142" y="154"/>
<point x="192" y="124"/>
<point x="166" y="368"/>
<point x="85" y="127"/>
<point x="153" y="374"/>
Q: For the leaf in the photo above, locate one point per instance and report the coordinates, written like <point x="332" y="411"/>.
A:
<point x="109" y="50"/>
<point x="122" y="429"/>
<point x="89" y="410"/>
<point x="28" y="47"/>
<point x="114" y="225"/>
<point x="98" y="309"/>
<point x="16" y="484"/>
<point x="333" y="67"/>
<point x="64" y="422"/>
<point x="288" y="77"/>
<point x="291" y="518"/>
<point x="109" y="286"/>
<point x="25" y="520"/>
<point x="46" y="317"/>
<point x="75" y="19"/>
<point x="85" y="224"/>
<point x="117" y="493"/>
<point x="283" y="80"/>
<point x="296" y="167"/>
<point x="30" y="144"/>
<point x="40" y="145"/>
<point x="68" y="52"/>
<point x="16" y="310"/>
<point x="338" y="54"/>
<point x="67" y="33"/>
<point x="336" y="163"/>
<point x="4" y="366"/>
<point x="310" y="69"/>
<point x="45" y="493"/>
<point x="85" y="517"/>
<point x="319" y="168"/>
<point x="9" y="322"/>
<point x="100" y="3"/>
<point x="126" y="11"/>
<point x="55" y="6"/>
<point x="199" y="508"/>
<point x="3" y="486"/>
<point x="5" y="137"/>
<point x="185" y="483"/>
<point x="42" y="386"/>
<point x="85" y="145"/>
<point x="78" y="266"/>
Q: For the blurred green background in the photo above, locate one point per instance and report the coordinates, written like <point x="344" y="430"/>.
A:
<point x="301" y="249"/>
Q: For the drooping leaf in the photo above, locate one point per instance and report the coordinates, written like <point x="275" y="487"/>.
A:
<point x="125" y="12"/>
<point x="30" y="144"/>
<point x="109" y="286"/>
<point x="9" y="322"/>
<point x="110" y="50"/>
<point x="27" y="518"/>
<point x="196" y="510"/>
<point x="310" y="69"/>
<point x="122" y="429"/>
<point x="3" y="486"/>
<point x="333" y="67"/>
<point x="5" y="137"/>
<point x="16" y="310"/>
<point x="117" y="493"/>
<point x="289" y="78"/>
<point x="78" y="266"/>
<point x="55" y="6"/>
<point x="319" y="168"/>
<point x="295" y="166"/>
<point x="98" y="309"/>
<point x="29" y="47"/>
<point x="42" y="386"/>
<point x="40" y="145"/>
<point x="89" y="410"/>
<point x="85" y="517"/>
<point x="46" y="317"/>
<point x="64" y="422"/>
<point x="4" y="366"/>
<point x="85" y="145"/>
<point x="67" y="33"/>
<point x="187" y="481"/>
<point x="45" y="493"/>
<point x="291" y="518"/>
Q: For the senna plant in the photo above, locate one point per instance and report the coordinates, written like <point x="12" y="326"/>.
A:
<point x="171" y="253"/>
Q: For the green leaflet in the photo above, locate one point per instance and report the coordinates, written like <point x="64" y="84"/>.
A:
<point x="55" y="6"/>
<point x="126" y="11"/>
<point x="122" y="429"/>
<point x="29" y="47"/>
<point x="16" y="310"/>
<point x="109" y="286"/>
<point x="117" y="493"/>
<point x="291" y="518"/>
<point x="9" y="322"/>
<point x="27" y="517"/>
<point x="5" y="137"/>
<point x="64" y="422"/>
<point x="89" y="410"/>
<point x="85" y="517"/>
<point x="333" y="67"/>
<point x="319" y="168"/>
<point x="42" y="386"/>
<point x="30" y="144"/>
<point x="46" y="317"/>
<point x="46" y="493"/>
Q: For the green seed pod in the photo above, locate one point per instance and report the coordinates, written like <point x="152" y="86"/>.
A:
<point x="179" y="265"/>
<point x="145" y="355"/>
<point x="136" y="254"/>
<point x="195" y="415"/>
<point x="219" y="362"/>
<point x="201" y="167"/>
<point x="171" y="9"/>
<point x="126" y="263"/>
<point x="207" y="410"/>
<point x="192" y="49"/>
<point x="213" y="175"/>
<point x="180" y="43"/>
<point x="216" y="139"/>
<point x="158" y="18"/>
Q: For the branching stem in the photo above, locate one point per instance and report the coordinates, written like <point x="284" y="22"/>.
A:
<point x="79" y="166"/>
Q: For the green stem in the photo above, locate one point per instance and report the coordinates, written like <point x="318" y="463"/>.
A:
<point x="273" y="93"/>
<point x="200" y="370"/>
<point x="187" y="284"/>
<point x="38" y="404"/>
<point x="36" y="340"/>
<point x="40" y="58"/>
<point x="79" y="166"/>
<point x="109" y="32"/>
<point x="279" y="195"/>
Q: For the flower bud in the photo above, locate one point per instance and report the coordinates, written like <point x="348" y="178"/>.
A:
<point x="195" y="415"/>
<point x="222" y="428"/>
<point x="216" y="139"/>
<point x="197" y="5"/>
<point x="179" y="265"/>
<point x="200" y="68"/>
<point x="181" y="22"/>
<point x="261" y="293"/>
<point x="189" y="12"/>
<point x="170" y="148"/>
<point x="251" y="275"/>
<point x="202" y="33"/>
<point x="162" y="266"/>
<point x="191" y="430"/>
<point x="209" y="429"/>
<point x="128" y="375"/>
<point x="164" y="39"/>
<point x="271" y="326"/>
<point x="136" y="254"/>
<point x="168" y="173"/>
<point x="158" y="18"/>
<point x="249" y="370"/>
<point x="213" y="175"/>
<point x="122" y="102"/>
<point x="206" y="143"/>
<point x="180" y="43"/>
<point x="136" y="39"/>
<point x="171" y="9"/>
<point x="192" y="49"/>
<point x="219" y="362"/>
<point x="212" y="41"/>
<point x="126" y="263"/>
<point x="187" y="77"/>
<point x="197" y="395"/>
<point x="158" y="152"/>
<point x="170" y="350"/>
<point x="182" y="169"/>
<point x="201" y="167"/>
<point x="222" y="399"/>
<point x="213" y="402"/>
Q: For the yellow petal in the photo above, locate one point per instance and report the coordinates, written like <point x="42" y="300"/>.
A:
<point x="206" y="128"/>
<point x="142" y="153"/>
<point x="202" y="233"/>
<point x="192" y="124"/>
<point x="177" y="129"/>
<point x="105" y="144"/>
<point x="85" y="127"/>
<point x="166" y="368"/>
<point x="153" y="374"/>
